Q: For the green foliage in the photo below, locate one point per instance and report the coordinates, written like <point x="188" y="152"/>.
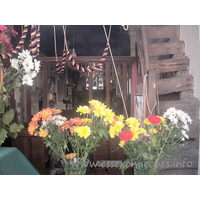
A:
<point x="3" y="135"/>
<point x="6" y="118"/>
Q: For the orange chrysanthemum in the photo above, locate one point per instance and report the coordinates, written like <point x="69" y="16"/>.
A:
<point x="76" y="121"/>
<point x="46" y="114"/>
<point x="43" y="133"/>
<point x="65" y="126"/>
<point x="56" y="111"/>
<point x="70" y="156"/>
<point x="32" y="128"/>
<point x="35" y="118"/>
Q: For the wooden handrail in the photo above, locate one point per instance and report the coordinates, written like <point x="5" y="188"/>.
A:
<point x="91" y="59"/>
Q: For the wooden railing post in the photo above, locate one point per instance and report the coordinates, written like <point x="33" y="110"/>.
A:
<point x="107" y="66"/>
<point x="44" y="78"/>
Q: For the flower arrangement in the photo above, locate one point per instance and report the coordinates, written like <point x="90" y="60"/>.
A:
<point x="22" y="71"/>
<point x="74" y="139"/>
<point x="158" y="140"/>
<point x="80" y="135"/>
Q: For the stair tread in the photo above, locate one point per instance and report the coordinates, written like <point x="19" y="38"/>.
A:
<point x="166" y="48"/>
<point x="191" y="106"/>
<point x="172" y="64"/>
<point x="164" y="31"/>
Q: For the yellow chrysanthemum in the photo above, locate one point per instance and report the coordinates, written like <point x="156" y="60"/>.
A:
<point x="122" y="143"/>
<point x="147" y="122"/>
<point x="43" y="133"/>
<point x="83" y="131"/>
<point x="83" y="110"/>
<point x="109" y="116"/>
<point x="99" y="111"/>
<point x="87" y="120"/>
<point x="162" y="119"/>
<point x="132" y="122"/>
<point x="95" y="103"/>
<point x="121" y="118"/>
<point x="112" y="132"/>
<point x="116" y="129"/>
<point x="153" y="130"/>
<point x="142" y="130"/>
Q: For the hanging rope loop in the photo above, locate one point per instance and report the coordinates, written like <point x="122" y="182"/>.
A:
<point x="120" y="89"/>
<point x="125" y="27"/>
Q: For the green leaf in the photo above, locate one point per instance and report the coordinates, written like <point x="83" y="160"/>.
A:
<point x="103" y="132"/>
<point x="48" y="143"/>
<point x="15" y="127"/>
<point x="8" y="116"/>
<point x="13" y="135"/>
<point x="3" y="135"/>
<point x="2" y="106"/>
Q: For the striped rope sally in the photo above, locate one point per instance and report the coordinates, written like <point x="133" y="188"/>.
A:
<point x="19" y="46"/>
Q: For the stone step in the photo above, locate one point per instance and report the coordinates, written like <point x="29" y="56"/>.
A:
<point x="158" y="32"/>
<point x="175" y="84"/>
<point x="169" y="65"/>
<point x="168" y="48"/>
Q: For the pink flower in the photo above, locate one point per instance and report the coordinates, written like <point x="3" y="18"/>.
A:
<point x="3" y="28"/>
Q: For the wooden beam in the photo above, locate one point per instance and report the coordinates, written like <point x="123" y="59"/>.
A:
<point x="158" y="32"/>
<point x="167" y="48"/>
<point x="170" y="65"/>
<point x="146" y="51"/>
<point x="133" y="87"/>
<point x="175" y="84"/>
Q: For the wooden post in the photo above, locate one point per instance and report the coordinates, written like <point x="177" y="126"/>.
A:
<point x="90" y="86"/>
<point x="146" y="55"/>
<point x="107" y="66"/>
<point x="44" y="85"/>
<point x="28" y="103"/>
<point x="133" y="87"/>
<point x="124" y="86"/>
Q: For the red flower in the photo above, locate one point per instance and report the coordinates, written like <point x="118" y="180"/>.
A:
<point x="154" y="119"/>
<point x="145" y="139"/>
<point x="126" y="135"/>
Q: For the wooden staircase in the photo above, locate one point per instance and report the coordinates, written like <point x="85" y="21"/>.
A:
<point x="162" y="58"/>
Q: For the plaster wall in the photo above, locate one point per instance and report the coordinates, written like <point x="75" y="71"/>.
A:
<point x="190" y="35"/>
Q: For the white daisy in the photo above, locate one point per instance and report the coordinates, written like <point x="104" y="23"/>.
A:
<point x="37" y="65"/>
<point x="28" y="65"/>
<point x="14" y="63"/>
<point x="33" y="74"/>
<point x="184" y="134"/>
<point x="25" y="54"/>
<point x="27" y="80"/>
